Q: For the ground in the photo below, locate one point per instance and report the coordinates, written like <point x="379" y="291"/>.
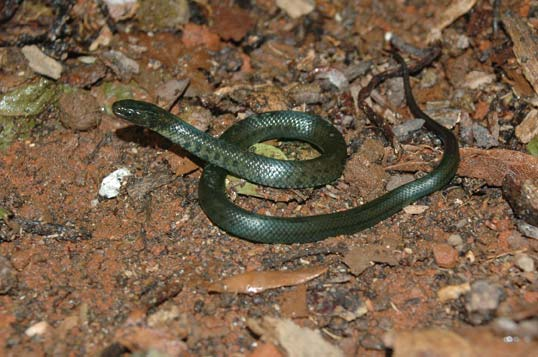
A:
<point x="143" y="271"/>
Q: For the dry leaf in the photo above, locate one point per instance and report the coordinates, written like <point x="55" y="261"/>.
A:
<point x="494" y="165"/>
<point x="359" y="259"/>
<point x="297" y="341"/>
<point x="254" y="282"/>
<point x="142" y="339"/>
<point x="431" y="342"/>
<point x="525" y="46"/>
<point x="465" y="342"/>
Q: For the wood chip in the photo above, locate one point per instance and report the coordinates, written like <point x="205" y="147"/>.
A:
<point x="447" y="16"/>
<point x="297" y="341"/>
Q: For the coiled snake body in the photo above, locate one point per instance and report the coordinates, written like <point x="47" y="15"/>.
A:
<point x="228" y="154"/>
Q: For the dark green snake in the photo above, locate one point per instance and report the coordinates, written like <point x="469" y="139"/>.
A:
<point x="229" y="154"/>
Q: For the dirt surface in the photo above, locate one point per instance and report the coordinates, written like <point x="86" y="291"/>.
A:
<point x="146" y="272"/>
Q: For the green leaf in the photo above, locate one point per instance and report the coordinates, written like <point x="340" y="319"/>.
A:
<point x="29" y="100"/>
<point x="532" y="146"/>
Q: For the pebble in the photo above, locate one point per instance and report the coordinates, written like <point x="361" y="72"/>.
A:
<point x="525" y="263"/>
<point x="527" y="229"/>
<point x="37" y="329"/>
<point x="8" y="278"/>
<point x="79" y="110"/>
<point x="483" y="137"/>
<point x="445" y="256"/>
<point x="110" y="186"/>
<point x="482" y="301"/>
<point x="371" y="342"/>
<point x="396" y="181"/>
<point x="455" y="240"/>
<point x="402" y="131"/>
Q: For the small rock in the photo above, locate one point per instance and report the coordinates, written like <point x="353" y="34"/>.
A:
<point x="197" y="116"/>
<point x="443" y="114"/>
<point x="455" y="240"/>
<point x="372" y="149"/>
<point x="372" y="342"/>
<point x="483" y="137"/>
<point x="170" y="90"/>
<point x="110" y="186"/>
<point x="37" y="329"/>
<point x="524" y="262"/>
<point x="8" y="279"/>
<point x="41" y="63"/>
<point x="402" y="131"/>
<point x="396" y="181"/>
<point x="452" y="292"/>
<point x="527" y="229"/>
<point x="79" y="110"/>
<point x="445" y="256"/>
<point x="336" y="77"/>
<point x="395" y="93"/>
<point x="462" y="42"/>
<point x="528" y="128"/>
<point x="122" y="65"/>
<point x="296" y="8"/>
<point x="482" y="301"/>
<point x="162" y="15"/>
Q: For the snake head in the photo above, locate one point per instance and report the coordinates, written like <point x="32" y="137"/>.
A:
<point x="137" y="112"/>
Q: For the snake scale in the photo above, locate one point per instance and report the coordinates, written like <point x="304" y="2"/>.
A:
<point x="229" y="155"/>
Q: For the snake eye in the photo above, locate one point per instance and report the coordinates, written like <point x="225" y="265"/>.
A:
<point x="121" y="110"/>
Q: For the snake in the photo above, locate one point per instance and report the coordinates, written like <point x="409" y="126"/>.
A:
<point x="229" y="154"/>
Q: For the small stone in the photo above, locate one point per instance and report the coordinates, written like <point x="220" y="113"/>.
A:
<point x="41" y="63"/>
<point x="482" y="301"/>
<point x="372" y="342"/>
<point x="296" y="8"/>
<point x="455" y="240"/>
<point x="37" y="329"/>
<point x="445" y="256"/>
<point x="8" y="278"/>
<point x="79" y="110"/>
<point x="402" y="131"/>
<point x="483" y="137"/>
<point x="110" y="186"/>
<point x="524" y="262"/>
<point x="122" y="65"/>
<point x="396" y="181"/>
<point x="527" y="229"/>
